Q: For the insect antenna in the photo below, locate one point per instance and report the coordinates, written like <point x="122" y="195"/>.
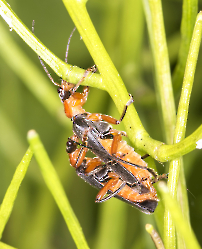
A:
<point x="131" y="100"/>
<point x="92" y="70"/>
<point x="67" y="50"/>
<point x="42" y="63"/>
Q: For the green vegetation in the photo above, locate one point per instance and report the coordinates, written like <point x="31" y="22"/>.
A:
<point x="153" y="56"/>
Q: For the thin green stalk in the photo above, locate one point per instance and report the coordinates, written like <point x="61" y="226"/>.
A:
<point x="65" y="71"/>
<point x="189" y="12"/>
<point x="128" y="53"/>
<point x="182" y="198"/>
<point x="170" y="152"/>
<point x="111" y="80"/>
<point x="155" y="23"/>
<point x="5" y="246"/>
<point x="109" y="26"/>
<point x="53" y="183"/>
<point x="188" y="80"/>
<point x="181" y="224"/>
<point x="181" y="124"/>
<point x="131" y="36"/>
<point x="12" y="191"/>
<point x="154" y="18"/>
<point x="155" y="236"/>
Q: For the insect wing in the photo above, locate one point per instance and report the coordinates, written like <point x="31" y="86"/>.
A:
<point x="147" y="206"/>
<point x="84" y="127"/>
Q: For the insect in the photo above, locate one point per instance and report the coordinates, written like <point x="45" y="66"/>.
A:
<point x="118" y="166"/>
<point x="91" y="127"/>
<point x="142" y="195"/>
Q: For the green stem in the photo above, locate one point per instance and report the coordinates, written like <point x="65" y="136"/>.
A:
<point x="180" y="129"/>
<point x="12" y="191"/>
<point x="154" y="18"/>
<point x="183" y="107"/>
<point x="190" y="8"/>
<point x="155" y="23"/>
<point x="170" y="152"/>
<point x="5" y="246"/>
<point x="52" y="181"/>
<point x="131" y="36"/>
<point x="155" y="236"/>
<point x="183" y="202"/>
<point x="181" y="224"/>
<point x="65" y="71"/>
<point x="111" y="80"/>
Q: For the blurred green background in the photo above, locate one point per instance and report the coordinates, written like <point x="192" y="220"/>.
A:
<point x="36" y="221"/>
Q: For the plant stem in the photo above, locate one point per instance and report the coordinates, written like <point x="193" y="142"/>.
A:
<point x="111" y="80"/>
<point x="155" y="236"/>
<point x="181" y="224"/>
<point x="66" y="71"/>
<point x="189" y="13"/>
<point x="180" y="129"/>
<point x="12" y="191"/>
<point x="52" y="181"/>
<point x="154" y="18"/>
<point x="5" y="246"/>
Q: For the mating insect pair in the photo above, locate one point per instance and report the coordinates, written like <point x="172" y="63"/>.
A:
<point x="117" y="170"/>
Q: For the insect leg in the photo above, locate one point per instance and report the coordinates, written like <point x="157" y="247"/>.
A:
<point x="111" y="183"/>
<point x="76" y="155"/>
<point x="112" y="120"/>
<point x="160" y="177"/>
<point x="92" y="164"/>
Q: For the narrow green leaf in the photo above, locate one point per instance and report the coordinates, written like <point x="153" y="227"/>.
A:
<point x="165" y="98"/>
<point x="181" y="224"/>
<point x="12" y="191"/>
<point x="189" y="13"/>
<point x="53" y="183"/>
<point x="180" y="128"/>
<point x="155" y="236"/>
<point x="5" y="246"/>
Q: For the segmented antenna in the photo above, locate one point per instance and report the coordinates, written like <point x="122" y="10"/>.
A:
<point x="42" y="63"/>
<point x="131" y="100"/>
<point x="93" y="69"/>
<point x="67" y="50"/>
<point x="33" y="24"/>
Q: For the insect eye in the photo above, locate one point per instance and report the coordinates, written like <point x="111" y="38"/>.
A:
<point x="70" y="146"/>
<point x="63" y="94"/>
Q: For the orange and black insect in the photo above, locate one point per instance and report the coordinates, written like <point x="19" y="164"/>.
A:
<point x="91" y="127"/>
<point x="126" y="174"/>
<point x="141" y="195"/>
